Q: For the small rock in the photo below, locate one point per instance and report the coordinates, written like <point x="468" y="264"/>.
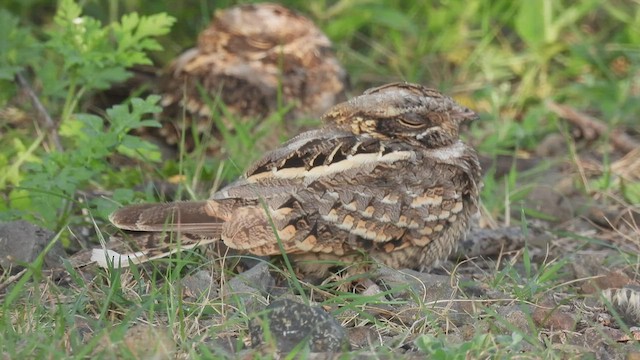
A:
<point x="83" y="328"/>
<point x="469" y="331"/>
<point x="291" y="323"/>
<point x="552" y="145"/>
<point x="429" y="287"/>
<point x="586" y="264"/>
<point x="253" y="283"/>
<point x="200" y="285"/>
<point x="371" y="288"/>
<point x="225" y="346"/>
<point x="609" y="279"/>
<point x="464" y="312"/>
<point x="362" y="337"/>
<point x="141" y="341"/>
<point x="409" y="313"/>
<point x="515" y="316"/>
<point x="552" y="195"/>
<point x="435" y="292"/>
<point x="554" y="319"/>
<point x="148" y="342"/>
<point x="598" y="335"/>
<point x="22" y="242"/>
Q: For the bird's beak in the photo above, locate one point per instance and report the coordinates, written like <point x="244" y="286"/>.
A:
<point x="469" y="115"/>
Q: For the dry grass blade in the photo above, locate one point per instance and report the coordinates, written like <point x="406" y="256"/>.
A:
<point x="10" y="280"/>
<point x="628" y="167"/>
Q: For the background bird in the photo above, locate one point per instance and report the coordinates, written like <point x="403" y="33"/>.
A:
<point x="387" y="176"/>
<point x="255" y="59"/>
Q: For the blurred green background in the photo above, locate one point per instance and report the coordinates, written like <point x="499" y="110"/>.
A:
<point x="505" y="56"/>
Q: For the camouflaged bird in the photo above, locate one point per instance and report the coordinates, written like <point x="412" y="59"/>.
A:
<point x="386" y="176"/>
<point x="256" y="59"/>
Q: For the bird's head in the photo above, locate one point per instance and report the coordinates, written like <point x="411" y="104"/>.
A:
<point x="402" y="111"/>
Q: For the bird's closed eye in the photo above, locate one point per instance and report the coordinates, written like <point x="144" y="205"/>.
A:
<point x="414" y="124"/>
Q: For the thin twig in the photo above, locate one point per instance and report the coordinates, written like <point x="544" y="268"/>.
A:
<point x="44" y="115"/>
<point x="11" y="279"/>
<point x="587" y="123"/>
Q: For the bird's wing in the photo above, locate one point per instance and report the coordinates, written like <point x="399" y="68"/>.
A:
<point x="326" y="190"/>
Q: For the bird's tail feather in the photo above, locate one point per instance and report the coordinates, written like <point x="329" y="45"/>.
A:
<point x="189" y="217"/>
<point x="169" y="227"/>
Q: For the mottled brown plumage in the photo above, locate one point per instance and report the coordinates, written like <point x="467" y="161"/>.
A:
<point x="258" y="58"/>
<point x="387" y="175"/>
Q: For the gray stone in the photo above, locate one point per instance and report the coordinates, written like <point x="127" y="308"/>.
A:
<point x="256" y="280"/>
<point x="427" y="295"/>
<point x="288" y="324"/>
<point x="515" y="317"/>
<point x="201" y="285"/>
<point x="21" y="242"/>
<point x="429" y="287"/>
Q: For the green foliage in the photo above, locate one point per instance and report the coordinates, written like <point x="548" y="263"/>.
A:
<point x="16" y="45"/>
<point x="631" y="191"/>
<point x="529" y="283"/>
<point x="480" y="346"/>
<point x="89" y="56"/>
<point x="79" y="55"/>
<point x="513" y="54"/>
<point x="53" y="180"/>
